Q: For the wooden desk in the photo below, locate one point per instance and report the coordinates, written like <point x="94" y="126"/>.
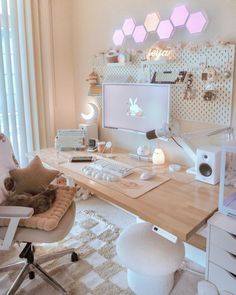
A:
<point x="178" y="206"/>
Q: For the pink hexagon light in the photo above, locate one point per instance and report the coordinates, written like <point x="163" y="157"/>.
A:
<point x="118" y="37"/>
<point x="151" y="22"/>
<point x="165" y="29"/>
<point x="128" y="26"/>
<point x="179" y="15"/>
<point x="139" y="34"/>
<point x="196" y="22"/>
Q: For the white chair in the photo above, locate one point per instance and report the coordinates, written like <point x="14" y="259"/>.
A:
<point x="14" y="233"/>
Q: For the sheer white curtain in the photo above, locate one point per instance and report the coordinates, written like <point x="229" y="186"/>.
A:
<point x="23" y="109"/>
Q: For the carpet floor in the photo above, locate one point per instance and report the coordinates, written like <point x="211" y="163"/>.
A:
<point x="98" y="272"/>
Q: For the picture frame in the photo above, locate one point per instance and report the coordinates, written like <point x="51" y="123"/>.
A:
<point x="227" y="191"/>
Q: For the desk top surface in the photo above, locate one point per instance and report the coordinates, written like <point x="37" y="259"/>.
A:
<point x="180" y="206"/>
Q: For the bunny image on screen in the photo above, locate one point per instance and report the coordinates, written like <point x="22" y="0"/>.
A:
<point x="134" y="109"/>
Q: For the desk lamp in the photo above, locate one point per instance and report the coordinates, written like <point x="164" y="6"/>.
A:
<point x="182" y="140"/>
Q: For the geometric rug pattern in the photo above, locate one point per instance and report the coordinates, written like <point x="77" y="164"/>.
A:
<point x="98" y="272"/>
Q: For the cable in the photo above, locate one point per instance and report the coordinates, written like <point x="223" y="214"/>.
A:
<point x="176" y="142"/>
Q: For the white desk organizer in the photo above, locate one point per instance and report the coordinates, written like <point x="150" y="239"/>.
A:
<point x="221" y="253"/>
<point x="221" y="57"/>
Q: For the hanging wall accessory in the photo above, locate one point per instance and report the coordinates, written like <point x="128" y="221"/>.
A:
<point x="190" y="92"/>
<point x="209" y="74"/>
<point x="94" y="86"/>
<point x="112" y="56"/>
<point x="227" y="72"/>
<point x="169" y="77"/>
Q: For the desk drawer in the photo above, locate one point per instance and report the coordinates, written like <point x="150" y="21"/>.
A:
<point x="223" y="239"/>
<point x="223" y="258"/>
<point x="223" y="279"/>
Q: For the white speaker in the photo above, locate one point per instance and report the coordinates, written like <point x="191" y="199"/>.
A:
<point x="208" y="164"/>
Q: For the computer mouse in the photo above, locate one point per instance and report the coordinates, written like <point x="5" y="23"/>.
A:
<point x="147" y="175"/>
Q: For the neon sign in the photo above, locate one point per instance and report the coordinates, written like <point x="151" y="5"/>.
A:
<point x="156" y="53"/>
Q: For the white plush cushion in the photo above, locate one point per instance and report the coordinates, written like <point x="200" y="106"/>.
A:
<point x="6" y="163"/>
<point x="147" y="253"/>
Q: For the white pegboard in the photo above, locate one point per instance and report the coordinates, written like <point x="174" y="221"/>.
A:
<point x="221" y="57"/>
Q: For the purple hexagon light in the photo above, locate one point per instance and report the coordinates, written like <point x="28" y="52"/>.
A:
<point x="165" y="29"/>
<point x="128" y="26"/>
<point x="139" y="34"/>
<point x="151" y="22"/>
<point x="118" y="37"/>
<point x="179" y="15"/>
<point x="196" y="22"/>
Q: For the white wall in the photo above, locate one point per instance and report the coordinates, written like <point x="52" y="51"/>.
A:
<point x="93" y="23"/>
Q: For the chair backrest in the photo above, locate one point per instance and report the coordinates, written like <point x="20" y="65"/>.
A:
<point x="7" y="162"/>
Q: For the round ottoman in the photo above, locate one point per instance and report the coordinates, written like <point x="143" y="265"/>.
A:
<point x="151" y="260"/>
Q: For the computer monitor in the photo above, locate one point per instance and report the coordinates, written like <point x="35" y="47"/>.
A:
<point x="135" y="107"/>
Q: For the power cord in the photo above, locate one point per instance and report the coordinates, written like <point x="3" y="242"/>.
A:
<point x="176" y="142"/>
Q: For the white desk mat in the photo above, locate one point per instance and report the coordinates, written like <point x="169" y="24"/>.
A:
<point x="131" y="186"/>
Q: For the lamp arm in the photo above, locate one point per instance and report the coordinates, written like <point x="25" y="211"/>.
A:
<point x="189" y="149"/>
<point x="229" y="130"/>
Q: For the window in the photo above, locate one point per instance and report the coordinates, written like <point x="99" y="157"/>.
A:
<point x="16" y="112"/>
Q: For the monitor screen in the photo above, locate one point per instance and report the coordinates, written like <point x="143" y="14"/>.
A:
<point x="135" y="107"/>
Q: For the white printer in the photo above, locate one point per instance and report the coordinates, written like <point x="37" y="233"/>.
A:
<point x="70" y="139"/>
<point x="75" y="138"/>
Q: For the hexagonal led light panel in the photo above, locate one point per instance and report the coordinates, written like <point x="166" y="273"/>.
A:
<point x="139" y="34"/>
<point x="128" y="26"/>
<point x="151" y="22"/>
<point x="118" y="37"/>
<point x="179" y="15"/>
<point x="165" y="29"/>
<point x="196" y="22"/>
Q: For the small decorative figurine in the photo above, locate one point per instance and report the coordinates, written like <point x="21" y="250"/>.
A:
<point x="94" y="88"/>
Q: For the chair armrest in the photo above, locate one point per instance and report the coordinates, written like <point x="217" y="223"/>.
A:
<point x="16" y="211"/>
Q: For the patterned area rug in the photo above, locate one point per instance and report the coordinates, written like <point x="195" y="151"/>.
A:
<point x="98" y="272"/>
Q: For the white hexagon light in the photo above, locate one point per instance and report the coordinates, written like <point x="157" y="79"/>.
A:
<point x="139" y="34"/>
<point x="179" y="15"/>
<point x="165" y="29"/>
<point x="151" y="22"/>
<point x="128" y="26"/>
<point x="196" y="22"/>
<point x="118" y="37"/>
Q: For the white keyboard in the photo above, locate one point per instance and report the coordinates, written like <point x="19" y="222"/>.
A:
<point x="108" y="170"/>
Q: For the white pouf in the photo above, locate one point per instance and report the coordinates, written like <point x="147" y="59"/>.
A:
<point x="151" y="260"/>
